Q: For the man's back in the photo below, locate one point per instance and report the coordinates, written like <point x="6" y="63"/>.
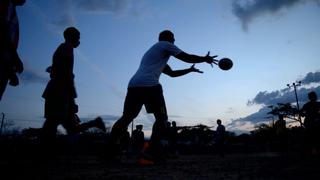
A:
<point x="61" y="85"/>
<point x="220" y="132"/>
<point x="62" y="63"/>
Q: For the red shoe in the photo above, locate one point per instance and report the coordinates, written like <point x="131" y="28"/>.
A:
<point x="145" y="162"/>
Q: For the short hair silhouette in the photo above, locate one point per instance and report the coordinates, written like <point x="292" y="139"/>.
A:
<point x="280" y="116"/>
<point x="18" y="2"/>
<point x="140" y="126"/>
<point x="312" y="96"/>
<point x="70" y="33"/>
<point x="166" y="35"/>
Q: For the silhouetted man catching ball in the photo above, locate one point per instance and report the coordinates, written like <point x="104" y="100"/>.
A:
<point x="144" y="88"/>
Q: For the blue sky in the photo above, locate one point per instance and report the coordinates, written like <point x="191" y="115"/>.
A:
<point x="271" y="42"/>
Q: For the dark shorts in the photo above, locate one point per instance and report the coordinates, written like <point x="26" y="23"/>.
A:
<point x="71" y="124"/>
<point x="57" y="108"/>
<point x="151" y="97"/>
<point x="61" y="112"/>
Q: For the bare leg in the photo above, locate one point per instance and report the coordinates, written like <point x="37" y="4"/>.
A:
<point x="97" y="122"/>
<point x="49" y="130"/>
<point x="158" y="133"/>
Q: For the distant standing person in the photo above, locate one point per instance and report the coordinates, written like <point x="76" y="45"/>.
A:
<point x="220" y="137"/>
<point x="280" y="126"/>
<point x="173" y="138"/>
<point x="311" y="112"/>
<point x="60" y="93"/>
<point x="10" y="62"/>
<point x="281" y="133"/>
<point x="137" y="139"/>
<point x="144" y="88"/>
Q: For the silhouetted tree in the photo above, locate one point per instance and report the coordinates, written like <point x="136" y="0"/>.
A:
<point x="287" y="110"/>
<point x="263" y="133"/>
<point x="8" y="126"/>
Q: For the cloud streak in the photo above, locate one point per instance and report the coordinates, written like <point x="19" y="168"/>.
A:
<point x="68" y="9"/>
<point x="115" y="6"/>
<point x="66" y="19"/>
<point x="260" y="116"/>
<point x="65" y="16"/>
<point x="96" y="69"/>
<point x="31" y="76"/>
<point x="311" y="77"/>
<point x="247" y="10"/>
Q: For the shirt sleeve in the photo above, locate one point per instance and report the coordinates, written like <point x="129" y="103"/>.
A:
<point x="172" y="49"/>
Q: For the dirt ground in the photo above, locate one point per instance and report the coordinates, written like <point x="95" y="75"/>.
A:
<point x="194" y="167"/>
<point x="22" y="158"/>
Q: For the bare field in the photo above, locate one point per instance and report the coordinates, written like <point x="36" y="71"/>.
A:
<point x="201" y="166"/>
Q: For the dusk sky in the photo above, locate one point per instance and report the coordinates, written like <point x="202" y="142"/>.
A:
<point x="271" y="42"/>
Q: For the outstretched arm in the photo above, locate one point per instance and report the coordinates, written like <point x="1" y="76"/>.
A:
<point x="175" y="73"/>
<point x="190" y="58"/>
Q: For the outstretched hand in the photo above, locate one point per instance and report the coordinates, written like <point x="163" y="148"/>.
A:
<point x="193" y="69"/>
<point x="210" y="59"/>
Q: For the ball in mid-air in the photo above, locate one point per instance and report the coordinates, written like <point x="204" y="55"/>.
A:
<point x="225" y="64"/>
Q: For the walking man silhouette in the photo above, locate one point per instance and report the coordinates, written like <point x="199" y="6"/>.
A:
<point x="220" y="137"/>
<point x="60" y="92"/>
<point x="137" y="139"/>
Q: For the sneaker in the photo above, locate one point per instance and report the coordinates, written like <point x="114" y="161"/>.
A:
<point x="100" y="124"/>
<point x="145" y="162"/>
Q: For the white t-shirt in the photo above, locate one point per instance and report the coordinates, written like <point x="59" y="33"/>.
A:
<point x="152" y="64"/>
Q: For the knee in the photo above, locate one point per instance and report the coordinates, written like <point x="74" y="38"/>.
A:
<point x="122" y="123"/>
<point x="161" y="120"/>
<point x="160" y="124"/>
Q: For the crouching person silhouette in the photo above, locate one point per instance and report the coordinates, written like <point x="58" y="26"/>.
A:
<point x="144" y="89"/>
<point x="60" y="92"/>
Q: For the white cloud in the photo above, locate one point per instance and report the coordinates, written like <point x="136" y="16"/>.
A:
<point x="247" y="10"/>
<point x="265" y="98"/>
